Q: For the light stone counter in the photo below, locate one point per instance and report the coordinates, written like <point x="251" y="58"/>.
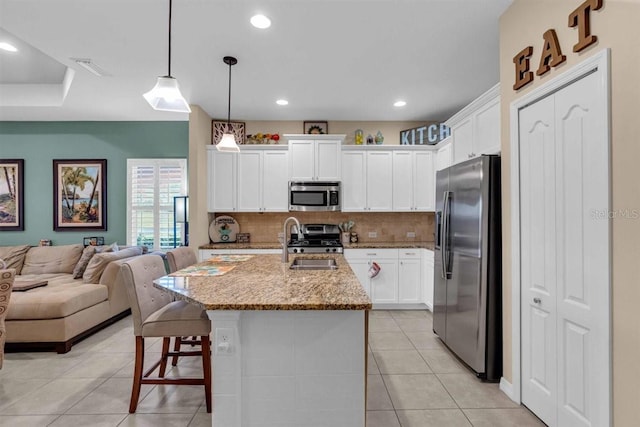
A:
<point x="265" y="283"/>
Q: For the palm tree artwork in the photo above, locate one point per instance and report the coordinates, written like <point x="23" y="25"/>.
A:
<point x="8" y="194"/>
<point x="79" y="192"/>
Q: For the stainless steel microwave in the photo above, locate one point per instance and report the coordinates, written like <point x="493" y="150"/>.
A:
<point x="314" y="196"/>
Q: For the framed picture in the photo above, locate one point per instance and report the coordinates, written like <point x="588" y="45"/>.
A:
<point x="11" y="194"/>
<point x="79" y="195"/>
<point x="93" y="241"/>
<point x="316" y="128"/>
<point x="220" y="127"/>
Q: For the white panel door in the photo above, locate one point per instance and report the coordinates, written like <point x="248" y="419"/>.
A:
<point x="565" y="267"/>
<point x="379" y="182"/>
<point x="462" y="140"/>
<point x="275" y="176"/>
<point x="384" y="286"/>
<point x="410" y="279"/>
<point x="301" y="160"/>
<point x="538" y="265"/>
<point x="354" y="184"/>
<point x="487" y="129"/>
<point x="424" y="198"/>
<point x="221" y="181"/>
<point x="403" y="181"/>
<point x="327" y="160"/>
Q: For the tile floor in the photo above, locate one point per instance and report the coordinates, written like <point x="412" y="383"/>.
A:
<point x="413" y="382"/>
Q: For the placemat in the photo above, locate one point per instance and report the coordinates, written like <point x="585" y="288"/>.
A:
<point x="230" y="258"/>
<point x="203" y="270"/>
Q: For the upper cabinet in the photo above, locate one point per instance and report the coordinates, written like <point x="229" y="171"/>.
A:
<point x="253" y="180"/>
<point x="443" y="155"/>
<point x="413" y="181"/>
<point x="475" y="130"/>
<point x="366" y="180"/>
<point x="314" y="157"/>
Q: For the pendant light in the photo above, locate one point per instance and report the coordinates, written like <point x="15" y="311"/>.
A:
<point x="228" y="141"/>
<point x="165" y="95"/>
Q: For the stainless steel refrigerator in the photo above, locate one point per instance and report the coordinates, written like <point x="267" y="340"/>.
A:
<point x="467" y="310"/>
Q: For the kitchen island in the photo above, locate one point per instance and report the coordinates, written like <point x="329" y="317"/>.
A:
<point x="289" y="346"/>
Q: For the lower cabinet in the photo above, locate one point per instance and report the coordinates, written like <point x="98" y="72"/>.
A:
<point x="400" y="281"/>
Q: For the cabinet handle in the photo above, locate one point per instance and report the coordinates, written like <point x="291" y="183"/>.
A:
<point x="372" y="254"/>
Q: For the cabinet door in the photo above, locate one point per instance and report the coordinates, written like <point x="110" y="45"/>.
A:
<point x="403" y="184"/>
<point x="443" y="159"/>
<point x="410" y="280"/>
<point x="275" y="178"/>
<point x="354" y="184"/>
<point x="249" y="181"/>
<point x="360" y="268"/>
<point x="384" y="287"/>
<point x="487" y="129"/>
<point x="462" y="140"/>
<point x="327" y="162"/>
<point x="379" y="186"/>
<point x="423" y="181"/>
<point x="222" y="181"/>
<point x="301" y="160"/>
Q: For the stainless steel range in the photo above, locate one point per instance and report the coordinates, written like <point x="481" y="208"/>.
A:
<point x="315" y="239"/>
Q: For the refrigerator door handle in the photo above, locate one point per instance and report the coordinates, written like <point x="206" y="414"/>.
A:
<point x="445" y="233"/>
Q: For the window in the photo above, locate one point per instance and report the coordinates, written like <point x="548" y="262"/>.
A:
<point x="151" y="186"/>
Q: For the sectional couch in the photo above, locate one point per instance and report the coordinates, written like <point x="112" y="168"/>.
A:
<point x="84" y="294"/>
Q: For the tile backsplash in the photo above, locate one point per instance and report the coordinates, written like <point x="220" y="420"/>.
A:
<point x="389" y="226"/>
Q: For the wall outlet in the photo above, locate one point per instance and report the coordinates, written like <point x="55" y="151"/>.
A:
<point x="373" y="234"/>
<point x="411" y="234"/>
<point x="224" y="341"/>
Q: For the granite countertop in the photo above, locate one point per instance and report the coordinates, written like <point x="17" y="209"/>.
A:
<point x="263" y="282"/>
<point x="362" y="245"/>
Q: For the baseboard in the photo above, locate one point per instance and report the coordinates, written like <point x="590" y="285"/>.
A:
<point x="507" y="388"/>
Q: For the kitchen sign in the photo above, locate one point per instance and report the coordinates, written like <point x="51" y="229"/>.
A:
<point x="425" y="135"/>
<point x="551" y="55"/>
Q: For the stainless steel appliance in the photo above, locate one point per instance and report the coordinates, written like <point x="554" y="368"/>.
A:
<point x="467" y="287"/>
<point x="315" y="239"/>
<point x="314" y="196"/>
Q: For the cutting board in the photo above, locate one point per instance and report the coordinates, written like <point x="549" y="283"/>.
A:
<point x="223" y="229"/>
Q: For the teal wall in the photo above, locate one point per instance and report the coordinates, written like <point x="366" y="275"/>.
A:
<point x="38" y="143"/>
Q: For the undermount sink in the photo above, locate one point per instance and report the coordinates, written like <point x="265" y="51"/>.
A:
<point x="314" y="264"/>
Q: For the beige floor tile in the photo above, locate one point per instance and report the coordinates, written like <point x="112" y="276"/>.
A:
<point x="100" y="365"/>
<point x="157" y="420"/>
<point x="422" y="391"/>
<point x="201" y="420"/>
<point x="410" y="314"/>
<point x="433" y="418"/>
<point x="517" y="417"/>
<point x="172" y="399"/>
<point x="441" y="361"/>
<point x="13" y="390"/>
<point x="102" y="420"/>
<point x="383" y="324"/>
<point x="470" y="392"/>
<point x="55" y="397"/>
<point x="415" y="325"/>
<point x="127" y="371"/>
<point x="389" y="341"/>
<point x="26" y="420"/>
<point x="382" y="419"/>
<point x="111" y="397"/>
<point x="377" y="396"/>
<point x="401" y="362"/>
<point x="379" y="314"/>
<point x="46" y="368"/>
<point x="424" y="340"/>
<point x="372" y="364"/>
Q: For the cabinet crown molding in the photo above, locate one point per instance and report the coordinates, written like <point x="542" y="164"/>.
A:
<point x="474" y="106"/>
<point x="315" y="137"/>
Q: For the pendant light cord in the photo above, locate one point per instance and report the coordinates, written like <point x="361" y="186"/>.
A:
<point x="229" y="102"/>
<point x="170" y="4"/>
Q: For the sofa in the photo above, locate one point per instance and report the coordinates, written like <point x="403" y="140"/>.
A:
<point x="84" y="293"/>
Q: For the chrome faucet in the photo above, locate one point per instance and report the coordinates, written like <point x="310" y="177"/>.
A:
<point x="285" y="252"/>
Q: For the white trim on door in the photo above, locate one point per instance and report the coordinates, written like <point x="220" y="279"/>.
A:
<point x="600" y="62"/>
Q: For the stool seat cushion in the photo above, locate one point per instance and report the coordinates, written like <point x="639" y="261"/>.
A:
<point x="177" y="319"/>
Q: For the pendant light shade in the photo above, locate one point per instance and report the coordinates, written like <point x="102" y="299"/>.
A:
<point x="165" y="95"/>
<point x="228" y="142"/>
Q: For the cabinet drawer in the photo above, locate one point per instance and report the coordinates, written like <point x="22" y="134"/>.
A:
<point x="409" y="253"/>
<point x="370" y="253"/>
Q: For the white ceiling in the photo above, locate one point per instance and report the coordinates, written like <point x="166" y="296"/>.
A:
<point x="333" y="60"/>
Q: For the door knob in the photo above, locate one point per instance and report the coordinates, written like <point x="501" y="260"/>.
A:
<point x="537" y="300"/>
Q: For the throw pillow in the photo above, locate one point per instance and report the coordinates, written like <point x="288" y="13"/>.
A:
<point x="99" y="262"/>
<point x="86" y="256"/>
<point x="14" y="256"/>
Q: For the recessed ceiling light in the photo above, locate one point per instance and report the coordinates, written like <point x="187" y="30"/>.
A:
<point x="399" y="103"/>
<point x="282" y="102"/>
<point x="260" y="21"/>
<point x="8" y="47"/>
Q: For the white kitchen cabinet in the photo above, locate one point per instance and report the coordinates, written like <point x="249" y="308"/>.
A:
<point x="413" y="181"/>
<point x="314" y="157"/>
<point x="221" y="180"/>
<point x="366" y="183"/>
<point x="383" y="288"/>
<point x="410" y="281"/>
<point x="443" y="156"/>
<point x="262" y="181"/>
<point x="428" y="278"/>
<point x="475" y="129"/>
